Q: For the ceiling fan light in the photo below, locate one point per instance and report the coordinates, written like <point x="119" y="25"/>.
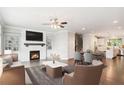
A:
<point x="52" y="26"/>
<point x="58" y="26"/>
<point x="55" y="26"/>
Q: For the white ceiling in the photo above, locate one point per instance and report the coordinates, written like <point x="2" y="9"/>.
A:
<point x="94" y="19"/>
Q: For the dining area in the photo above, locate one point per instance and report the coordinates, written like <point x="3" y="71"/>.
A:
<point x="88" y="56"/>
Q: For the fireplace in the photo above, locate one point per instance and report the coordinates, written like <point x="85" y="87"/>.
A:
<point x="34" y="55"/>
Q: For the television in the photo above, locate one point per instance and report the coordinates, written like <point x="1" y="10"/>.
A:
<point x="34" y="36"/>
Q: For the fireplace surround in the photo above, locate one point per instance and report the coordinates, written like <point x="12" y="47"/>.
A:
<point x="34" y="55"/>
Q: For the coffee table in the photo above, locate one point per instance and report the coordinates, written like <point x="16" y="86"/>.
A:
<point x="54" y="70"/>
<point x="54" y="65"/>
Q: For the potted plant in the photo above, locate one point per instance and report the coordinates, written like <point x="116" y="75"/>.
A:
<point x="55" y="57"/>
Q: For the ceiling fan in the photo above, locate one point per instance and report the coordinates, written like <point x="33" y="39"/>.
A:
<point x="55" y="23"/>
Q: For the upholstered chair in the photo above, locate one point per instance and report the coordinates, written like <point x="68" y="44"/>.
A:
<point x="77" y="57"/>
<point x="84" y="75"/>
<point x="88" y="56"/>
<point x="13" y="76"/>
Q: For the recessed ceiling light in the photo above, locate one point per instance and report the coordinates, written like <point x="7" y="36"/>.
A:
<point x="115" y="21"/>
<point x="83" y="28"/>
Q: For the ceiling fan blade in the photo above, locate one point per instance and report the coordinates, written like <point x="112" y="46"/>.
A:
<point x="46" y="24"/>
<point x="61" y="26"/>
<point x="63" y="22"/>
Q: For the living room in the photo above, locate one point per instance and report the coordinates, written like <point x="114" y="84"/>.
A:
<point x="41" y="44"/>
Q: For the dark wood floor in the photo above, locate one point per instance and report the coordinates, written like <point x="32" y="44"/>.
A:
<point x="113" y="73"/>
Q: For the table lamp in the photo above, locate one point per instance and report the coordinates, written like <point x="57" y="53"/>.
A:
<point x="1" y="67"/>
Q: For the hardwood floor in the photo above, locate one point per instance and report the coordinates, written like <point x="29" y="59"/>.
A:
<point x="113" y="73"/>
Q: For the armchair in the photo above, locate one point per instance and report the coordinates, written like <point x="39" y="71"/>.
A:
<point x="84" y="75"/>
<point x="13" y="76"/>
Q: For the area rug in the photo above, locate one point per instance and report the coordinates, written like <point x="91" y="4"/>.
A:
<point x="38" y="76"/>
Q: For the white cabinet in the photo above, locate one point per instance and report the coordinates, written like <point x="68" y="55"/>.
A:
<point x="101" y="44"/>
<point x="111" y="53"/>
<point x="122" y="51"/>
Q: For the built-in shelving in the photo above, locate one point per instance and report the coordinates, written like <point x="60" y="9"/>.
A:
<point x="35" y="44"/>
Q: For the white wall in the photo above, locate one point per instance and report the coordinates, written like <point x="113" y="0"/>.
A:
<point x="63" y="43"/>
<point x="50" y="51"/>
<point x="0" y="39"/>
<point x="23" y="50"/>
<point x="60" y="44"/>
<point x="88" y="42"/>
<point x="71" y="44"/>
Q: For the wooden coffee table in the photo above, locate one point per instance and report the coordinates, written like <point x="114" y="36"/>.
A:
<point x="54" y="70"/>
